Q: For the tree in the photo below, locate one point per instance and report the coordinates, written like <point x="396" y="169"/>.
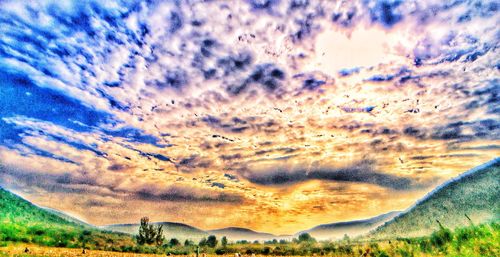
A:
<point x="305" y="237"/>
<point x="159" y="235"/>
<point x="84" y="237"/>
<point x="188" y="242"/>
<point x="202" y="242"/>
<point x="149" y="234"/>
<point x="212" y="241"/>
<point x="223" y="241"/>
<point x="174" y="242"/>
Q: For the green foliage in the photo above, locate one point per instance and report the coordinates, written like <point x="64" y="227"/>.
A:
<point x="220" y="251"/>
<point x="203" y="242"/>
<point x="224" y="241"/>
<point x="305" y="237"/>
<point x="212" y="241"/>
<point x="482" y="240"/>
<point x="382" y="254"/>
<point x="188" y="242"/>
<point x="425" y="246"/>
<point x="149" y="233"/>
<point x="174" y="242"/>
<point x="441" y="237"/>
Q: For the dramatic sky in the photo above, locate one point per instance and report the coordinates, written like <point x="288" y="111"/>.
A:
<point x="266" y="114"/>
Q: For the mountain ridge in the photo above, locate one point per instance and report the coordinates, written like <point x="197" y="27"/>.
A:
<point x="482" y="177"/>
<point x="474" y="193"/>
<point x="337" y="230"/>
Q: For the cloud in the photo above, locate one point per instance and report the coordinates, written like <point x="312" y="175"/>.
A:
<point x="110" y="98"/>
<point x="175" y="193"/>
<point x="362" y="172"/>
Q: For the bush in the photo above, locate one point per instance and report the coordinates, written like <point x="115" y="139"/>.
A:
<point x="441" y="237"/>
<point x="220" y="251"/>
<point x="266" y="250"/>
<point x="463" y="235"/>
<point x="36" y="230"/>
<point x="425" y="246"/>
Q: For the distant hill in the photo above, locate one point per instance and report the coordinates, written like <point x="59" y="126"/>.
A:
<point x="354" y="228"/>
<point x="182" y="232"/>
<point x="170" y="230"/>
<point x="475" y="193"/>
<point x="22" y="221"/>
<point x="237" y="234"/>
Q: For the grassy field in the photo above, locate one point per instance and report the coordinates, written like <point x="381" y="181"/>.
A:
<point x="482" y="240"/>
<point x="17" y="250"/>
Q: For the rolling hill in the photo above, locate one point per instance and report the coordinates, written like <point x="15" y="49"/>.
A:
<point x="354" y="228"/>
<point x="237" y="234"/>
<point x="22" y="221"/>
<point x="475" y="193"/>
<point x="170" y="230"/>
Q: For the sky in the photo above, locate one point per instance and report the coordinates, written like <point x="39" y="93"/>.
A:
<point x="272" y="115"/>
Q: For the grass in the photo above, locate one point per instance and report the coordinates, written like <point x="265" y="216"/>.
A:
<point x="17" y="250"/>
<point x="481" y="240"/>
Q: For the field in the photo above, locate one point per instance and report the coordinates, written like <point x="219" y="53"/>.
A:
<point x="481" y="240"/>
<point x="17" y="250"/>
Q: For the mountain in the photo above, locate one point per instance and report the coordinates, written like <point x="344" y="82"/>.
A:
<point x="170" y="230"/>
<point x="354" y="228"/>
<point x="22" y="221"/>
<point x="475" y="193"/>
<point x="237" y="234"/>
<point x="17" y="211"/>
<point x="66" y="217"/>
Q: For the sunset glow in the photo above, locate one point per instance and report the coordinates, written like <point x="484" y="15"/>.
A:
<point x="270" y="115"/>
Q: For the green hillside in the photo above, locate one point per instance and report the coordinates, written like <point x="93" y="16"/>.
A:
<point x="21" y="221"/>
<point x="476" y="194"/>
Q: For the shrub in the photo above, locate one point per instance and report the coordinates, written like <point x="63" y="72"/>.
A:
<point x="441" y="237"/>
<point x="174" y="242"/>
<point x="220" y="251"/>
<point x="425" y="246"/>
<point x="266" y="250"/>
<point x="464" y="234"/>
<point x="36" y="230"/>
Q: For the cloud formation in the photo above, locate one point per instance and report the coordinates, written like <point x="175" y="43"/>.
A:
<point x="361" y="172"/>
<point x="247" y="109"/>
